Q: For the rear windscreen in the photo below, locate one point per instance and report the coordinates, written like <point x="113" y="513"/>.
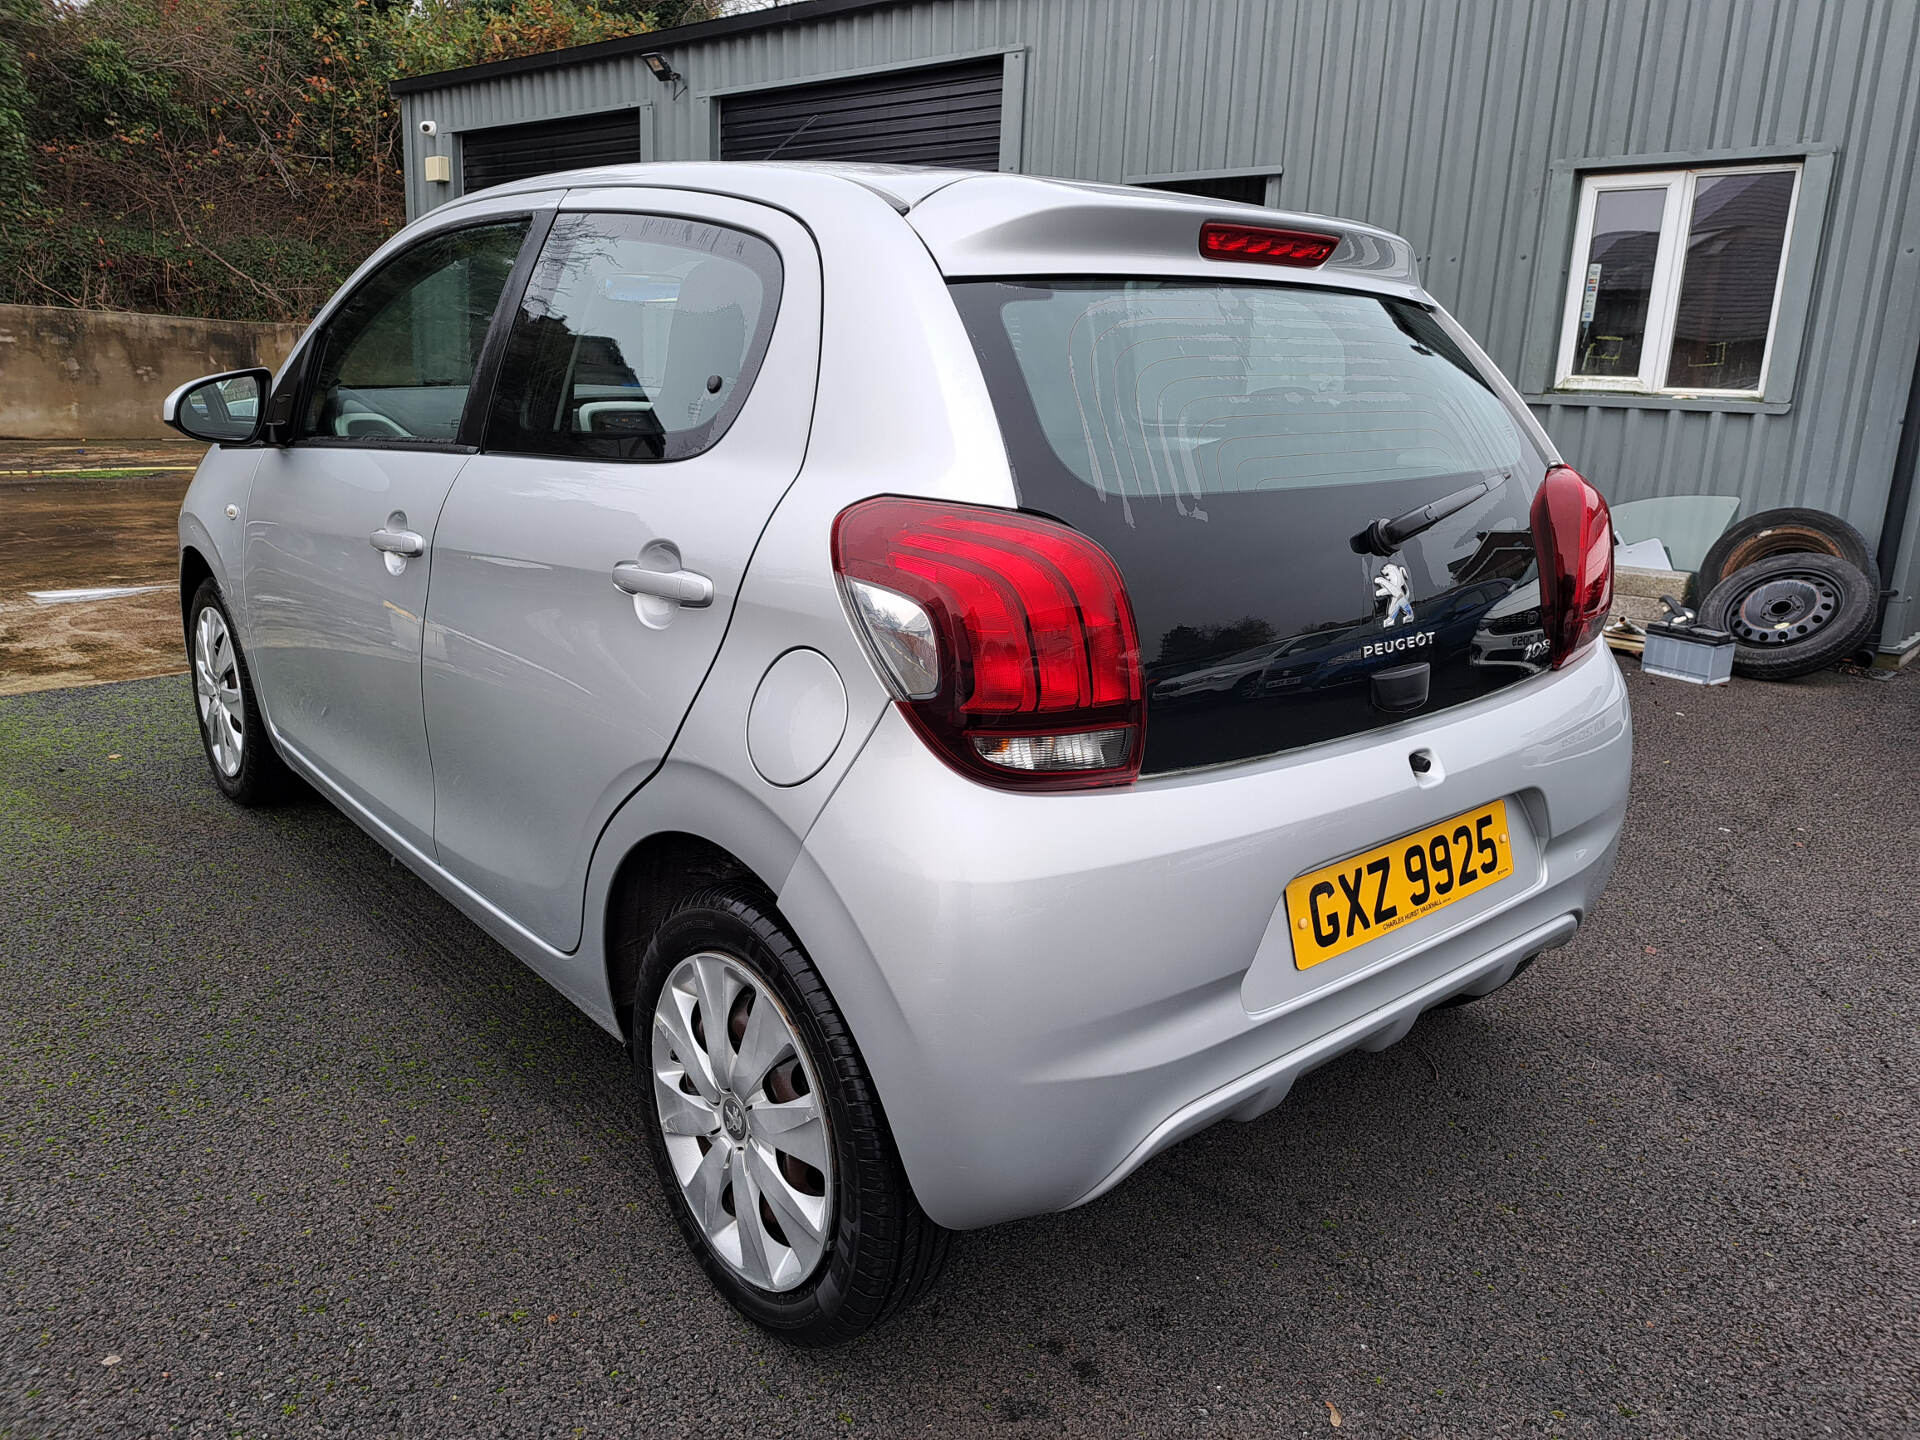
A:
<point x="1159" y="388"/>
<point x="1225" y="443"/>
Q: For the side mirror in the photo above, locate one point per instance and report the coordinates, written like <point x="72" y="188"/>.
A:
<point x="227" y="409"/>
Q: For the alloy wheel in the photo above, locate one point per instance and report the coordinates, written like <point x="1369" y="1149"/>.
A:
<point x="743" y="1120"/>
<point x="216" y="686"/>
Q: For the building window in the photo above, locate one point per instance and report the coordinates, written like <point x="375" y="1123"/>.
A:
<point x="1675" y="284"/>
<point x="1251" y="187"/>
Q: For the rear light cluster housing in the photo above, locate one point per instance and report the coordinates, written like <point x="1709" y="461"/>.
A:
<point x="1573" y="537"/>
<point x="1007" y="640"/>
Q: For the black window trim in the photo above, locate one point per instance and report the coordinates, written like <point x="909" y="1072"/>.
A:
<point x="473" y="420"/>
<point x="494" y="350"/>
<point x="465" y="441"/>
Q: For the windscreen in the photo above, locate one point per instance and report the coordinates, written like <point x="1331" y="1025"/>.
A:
<point x="1225" y="442"/>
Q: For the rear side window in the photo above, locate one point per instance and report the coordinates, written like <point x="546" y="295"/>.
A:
<point x="398" y="356"/>
<point x="638" y="339"/>
<point x="1178" y="391"/>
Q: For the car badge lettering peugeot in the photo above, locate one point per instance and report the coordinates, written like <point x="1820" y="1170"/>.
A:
<point x="1394" y="586"/>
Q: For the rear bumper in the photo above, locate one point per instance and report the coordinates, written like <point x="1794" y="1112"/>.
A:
<point x="1049" y="989"/>
<point x="1256" y="1093"/>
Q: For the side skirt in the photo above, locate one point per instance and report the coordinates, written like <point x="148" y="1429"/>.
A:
<point x="559" y="968"/>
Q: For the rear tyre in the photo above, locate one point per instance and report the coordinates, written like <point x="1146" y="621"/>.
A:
<point x="765" y="1129"/>
<point x="1792" y="615"/>
<point x="1790" y="530"/>
<point x="233" y="734"/>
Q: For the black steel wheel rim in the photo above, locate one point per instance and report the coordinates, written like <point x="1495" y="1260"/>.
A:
<point x="1785" y="608"/>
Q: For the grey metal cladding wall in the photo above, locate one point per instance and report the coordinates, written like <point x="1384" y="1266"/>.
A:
<point x="538" y="95"/>
<point x="1439" y="119"/>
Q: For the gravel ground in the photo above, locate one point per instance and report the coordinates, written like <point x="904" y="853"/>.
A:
<point x="288" y="1148"/>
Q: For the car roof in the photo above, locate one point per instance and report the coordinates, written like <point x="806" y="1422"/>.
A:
<point x="984" y="223"/>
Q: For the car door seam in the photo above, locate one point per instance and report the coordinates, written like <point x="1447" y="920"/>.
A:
<point x="746" y="570"/>
<point x="426" y="620"/>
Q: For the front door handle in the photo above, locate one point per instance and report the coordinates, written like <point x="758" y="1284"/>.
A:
<point x="683" y="587"/>
<point x="409" y="543"/>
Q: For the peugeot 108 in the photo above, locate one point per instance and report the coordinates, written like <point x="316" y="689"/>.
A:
<point x="972" y="678"/>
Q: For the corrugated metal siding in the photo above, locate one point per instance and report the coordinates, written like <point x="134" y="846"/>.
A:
<point x="1438" y="119"/>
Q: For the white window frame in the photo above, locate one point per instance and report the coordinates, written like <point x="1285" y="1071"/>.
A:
<point x="1669" y="266"/>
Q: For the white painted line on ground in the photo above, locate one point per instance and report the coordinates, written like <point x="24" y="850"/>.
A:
<point x="102" y="592"/>
<point x="103" y="470"/>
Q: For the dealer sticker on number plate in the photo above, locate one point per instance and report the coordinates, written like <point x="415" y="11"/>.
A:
<point x="1336" y="908"/>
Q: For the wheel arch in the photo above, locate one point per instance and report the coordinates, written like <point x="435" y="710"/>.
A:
<point x="649" y="881"/>
<point x="194" y="572"/>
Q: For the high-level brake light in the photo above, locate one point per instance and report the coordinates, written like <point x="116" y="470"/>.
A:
<point x="1008" y="640"/>
<point x="1265" y="244"/>
<point x="1573" y="538"/>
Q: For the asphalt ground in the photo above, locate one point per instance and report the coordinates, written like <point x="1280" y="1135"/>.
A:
<point x="288" y="1148"/>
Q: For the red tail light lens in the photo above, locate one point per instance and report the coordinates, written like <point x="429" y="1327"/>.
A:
<point x="1220" y="241"/>
<point x="1573" y="536"/>
<point x="1008" y="640"/>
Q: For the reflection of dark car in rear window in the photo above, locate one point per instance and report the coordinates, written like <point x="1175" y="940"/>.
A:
<point x="1238" y="675"/>
<point x="1306" y="658"/>
<point x="1445" y="626"/>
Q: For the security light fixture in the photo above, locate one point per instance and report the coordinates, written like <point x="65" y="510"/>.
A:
<point x="662" y="70"/>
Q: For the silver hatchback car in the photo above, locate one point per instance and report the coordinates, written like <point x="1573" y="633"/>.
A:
<point x="973" y="678"/>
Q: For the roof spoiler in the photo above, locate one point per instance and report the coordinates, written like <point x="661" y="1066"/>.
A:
<point x="1019" y="225"/>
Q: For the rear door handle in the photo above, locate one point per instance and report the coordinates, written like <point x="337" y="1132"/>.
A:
<point x="409" y="543"/>
<point x="684" y="587"/>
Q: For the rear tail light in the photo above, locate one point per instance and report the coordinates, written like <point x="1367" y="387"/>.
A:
<point x="1008" y="640"/>
<point x="1573" y="536"/>
<point x="1220" y="241"/>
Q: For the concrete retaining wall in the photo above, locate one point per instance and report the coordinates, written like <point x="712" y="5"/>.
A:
<point x="101" y="374"/>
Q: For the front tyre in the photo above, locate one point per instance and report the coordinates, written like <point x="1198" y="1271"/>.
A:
<point x="765" y="1129"/>
<point x="233" y="733"/>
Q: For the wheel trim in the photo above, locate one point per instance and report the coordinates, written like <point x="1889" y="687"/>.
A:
<point x="727" y="1119"/>
<point x="1785" y="609"/>
<point x="216" y="688"/>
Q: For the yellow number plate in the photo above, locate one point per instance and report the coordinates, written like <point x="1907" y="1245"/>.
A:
<point x="1338" y="907"/>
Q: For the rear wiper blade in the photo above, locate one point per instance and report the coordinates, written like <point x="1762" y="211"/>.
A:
<point x="1383" y="537"/>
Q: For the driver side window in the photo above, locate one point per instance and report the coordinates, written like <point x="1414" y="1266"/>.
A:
<point x="397" y="359"/>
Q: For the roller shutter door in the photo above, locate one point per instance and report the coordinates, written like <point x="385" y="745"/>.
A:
<point x="515" y="152"/>
<point x="946" y="115"/>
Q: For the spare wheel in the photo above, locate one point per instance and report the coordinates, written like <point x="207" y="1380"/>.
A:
<point x="1792" y="614"/>
<point x="1786" y="531"/>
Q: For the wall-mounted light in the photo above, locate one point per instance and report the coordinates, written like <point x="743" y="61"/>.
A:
<point x="662" y="70"/>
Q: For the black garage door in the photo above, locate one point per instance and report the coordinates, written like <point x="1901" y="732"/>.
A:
<point x="514" y="152"/>
<point x="949" y="115"/>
